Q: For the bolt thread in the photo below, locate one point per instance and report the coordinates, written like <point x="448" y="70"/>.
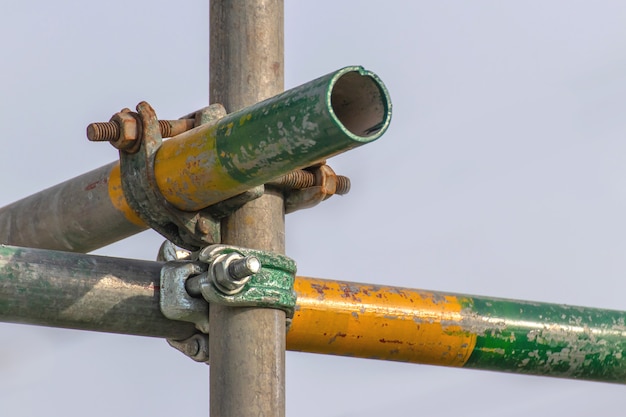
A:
<point x="242" y="268"/>
<point x="103" y="131"/>
<point x="166" y="128"/>
<point x="343" y="185"/>
<point x="300" y="179"/>
<point x="110" y="131"/>
<point x="297" y="180"/>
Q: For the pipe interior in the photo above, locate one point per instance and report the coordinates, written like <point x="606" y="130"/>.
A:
<point x="359" y="104"/>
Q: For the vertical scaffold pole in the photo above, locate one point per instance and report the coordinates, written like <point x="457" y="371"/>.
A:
<point x="247" y="345"/>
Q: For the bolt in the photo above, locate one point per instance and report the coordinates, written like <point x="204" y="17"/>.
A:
<point x="103" y="131"/>
<point x="244" y="267"/>
<point x="196" y="347"/>
<point x="296" y="180"/>
<point x="110" y="131"/>
<point x="231" y="272"/>
<point x="300" y="179"/>
<point x="343" y="185"/>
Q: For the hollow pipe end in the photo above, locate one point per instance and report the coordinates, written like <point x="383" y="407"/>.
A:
<point x="359" y="103"/>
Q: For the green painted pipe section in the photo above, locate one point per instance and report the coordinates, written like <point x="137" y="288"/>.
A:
<point x="546" y="339"/>
<point x="315" y="121"/>
<point x="296" y="129"/>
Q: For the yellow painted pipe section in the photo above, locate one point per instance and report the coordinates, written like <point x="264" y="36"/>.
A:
<point x="116" y="194"/>
<point x="367" y="321"/>
<point x="188" y="171"/>
<point x="185" y="167"/>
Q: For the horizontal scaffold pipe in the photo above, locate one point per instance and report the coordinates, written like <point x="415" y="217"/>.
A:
<point x="210" y="163"/>
<point x="97" y="293"/>
<point x="84" y="292"/>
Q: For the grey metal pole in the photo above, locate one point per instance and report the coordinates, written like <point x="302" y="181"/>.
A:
<point x="86" y="292"/>
<point x="247" y="345"/>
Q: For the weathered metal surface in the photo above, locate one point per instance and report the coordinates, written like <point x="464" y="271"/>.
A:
<point x="191" y="230"/>
<point x="437" y="328"/>
<point x="247" y="345"/>
<point x="325" y="184"/>
<point x="544" y="339"/>
<point x="175" y="301"/>
<point x="210" y="163"/>
<point x="112" y="131"/>
<point x="89" y="292"/>
<point x="368" y="321"/>
<point x="268" y="285"/>
<point x="196" y="347"/>
<point x="75" y="291"/>
<point x="292" y="130"/>
<point x="78" y="215"/>
<point x="305" y="188"/>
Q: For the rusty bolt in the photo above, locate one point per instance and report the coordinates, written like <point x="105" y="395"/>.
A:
<point x="300" y="179"/>
<point x="343" y="185"/>
<point x="128" y="132"/>
<point x="123" y="129"/>
<point x="297" y="180"/>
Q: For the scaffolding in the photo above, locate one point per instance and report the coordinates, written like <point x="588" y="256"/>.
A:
<point x="219" y="188"/>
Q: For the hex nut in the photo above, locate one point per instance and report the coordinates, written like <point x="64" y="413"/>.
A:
<point x="222" y="279"/>
<point x="129" y="131"/>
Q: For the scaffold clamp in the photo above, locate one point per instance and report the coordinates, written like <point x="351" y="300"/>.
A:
<point x="188" y="229"/>
<point x="225" y="275"/>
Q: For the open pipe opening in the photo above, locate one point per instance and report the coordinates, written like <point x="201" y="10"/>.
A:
<point x="360" y="103"/>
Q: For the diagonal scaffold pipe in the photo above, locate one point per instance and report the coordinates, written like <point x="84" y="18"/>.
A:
<point x="98" y="293"/>
<point x="295" y="129"/>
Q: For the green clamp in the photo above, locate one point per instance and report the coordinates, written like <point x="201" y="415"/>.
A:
<point x="241" y="277"/>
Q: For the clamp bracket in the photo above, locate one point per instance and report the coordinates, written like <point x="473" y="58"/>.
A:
<point x="306" y="188"/>
<point x="226" y="275"/>
<point x="189" y="230"/>
<point x="270" y="287"/>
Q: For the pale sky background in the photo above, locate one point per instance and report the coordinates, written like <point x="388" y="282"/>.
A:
<point x="503" y="174"/>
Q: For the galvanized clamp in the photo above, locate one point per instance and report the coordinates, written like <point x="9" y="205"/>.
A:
<point x="226" y="275"/>
<point x="241" y="277"/>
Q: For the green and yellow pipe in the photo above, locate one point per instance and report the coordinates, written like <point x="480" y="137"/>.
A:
<point x="87" y="292"/>
<point x="401" y="324"/>
<point x="298" y="128"/>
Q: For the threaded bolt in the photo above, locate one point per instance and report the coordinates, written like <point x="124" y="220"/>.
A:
<point x="103" y="131"/>
<point x="244" y="267"/>
<point x="297" y="180"/>
<point x="110" y="131"/>
<point x="343" y="185"/>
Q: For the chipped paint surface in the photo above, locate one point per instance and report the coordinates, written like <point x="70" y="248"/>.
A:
<point x="547" y="339"/>
<point x="77" y="291"/>
<point x="255" y="145"/>
<point x="339" y="318"/>
<point x="387" y="323"/>
<point x="116" y="194"/>
<point x="390" y="323"/>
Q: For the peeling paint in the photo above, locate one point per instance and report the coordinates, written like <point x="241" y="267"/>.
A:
<point x="459" y="330"/>
<point x="547" y="339"/>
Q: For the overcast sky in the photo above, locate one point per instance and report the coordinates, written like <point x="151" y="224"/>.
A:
<point x="503" y="174"/>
